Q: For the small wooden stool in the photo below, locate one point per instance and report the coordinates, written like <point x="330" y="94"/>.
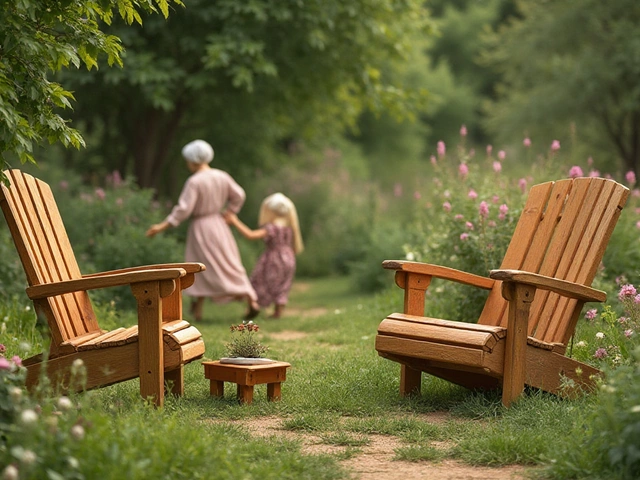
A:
<point x="246" y="376"/>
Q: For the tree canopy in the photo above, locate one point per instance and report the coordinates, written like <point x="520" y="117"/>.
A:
<point x="571" y="62"/>
<point x="248" y="76"/>
<point x="38" y="38"/>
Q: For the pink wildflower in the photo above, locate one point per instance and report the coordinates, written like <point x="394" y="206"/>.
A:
<point x="526" y="142"/>
<point x="100" y="193"/>
<point x="464" y="170"/>
<point x="636" y="299"/>
<point x="469" y="225"/>
<point x="417" y="195"/>
<point x="483" y="209"/>
<point x="502" y="155"/>
<point x="635" y="193"/>
<point x="458" y="216"/>
<point x="522" y="183"/>
<point x="594" y="173"/>
<point x="497" y="166"/>
<point x="631" y="177"/>
<point x="447" y="194"/>
<point x="489" y="150"/>
<point x="16" y="359"/>
<point x="638" y="224"/>
<point x="472" y="194"/>
<point x="463" y="130"/>
<point x="628" y="332"/>
<point x="464" y="236"/>
<point x="4" y="364"/>
<point x="600" y="353"/>
<point x="591" y="314"/>
<point x="446" y="206"/>
<point x="590" y="161"/>
<point x="434" y="161"/>
<point x="491" y="223"/>
<point x="2" y="348"/>
<point x="495" y="199"/>
<point x="442" y="149"/>
<point x="575" y="172"/>
<point x="555" y="145"/>
<point x="397" y="190"/>
<point x="504" y="209"/>
<point x="627" y="290"/>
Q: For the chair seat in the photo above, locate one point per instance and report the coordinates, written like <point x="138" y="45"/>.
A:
<point x="175" y="334"/>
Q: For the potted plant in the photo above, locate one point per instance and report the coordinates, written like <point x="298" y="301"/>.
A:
<point x="245" y="348"/>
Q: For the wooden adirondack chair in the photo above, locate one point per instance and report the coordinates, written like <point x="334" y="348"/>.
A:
<point x="155" y="350"/>
<point x="553" y="256"/>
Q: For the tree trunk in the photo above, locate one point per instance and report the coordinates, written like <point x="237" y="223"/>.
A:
<point x="151" y="144"/>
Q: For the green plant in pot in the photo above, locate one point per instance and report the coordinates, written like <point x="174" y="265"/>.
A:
<point x="245" y="347"/>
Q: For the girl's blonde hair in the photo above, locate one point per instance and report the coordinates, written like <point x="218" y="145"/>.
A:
<point x="279" y="206"/>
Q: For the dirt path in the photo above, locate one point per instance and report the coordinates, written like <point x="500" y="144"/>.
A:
<point x="374" y="461"/>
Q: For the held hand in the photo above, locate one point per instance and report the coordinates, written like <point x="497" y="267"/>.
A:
<point x="230" y="217"/>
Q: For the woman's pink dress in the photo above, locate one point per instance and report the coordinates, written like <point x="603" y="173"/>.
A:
<point x="273" y="274"/>
<point x="209" y="240"/>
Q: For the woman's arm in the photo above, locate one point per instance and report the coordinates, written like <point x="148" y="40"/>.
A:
<point x="246" y="232"/>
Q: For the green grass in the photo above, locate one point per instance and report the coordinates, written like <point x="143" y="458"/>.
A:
<point x="338" y="390"/>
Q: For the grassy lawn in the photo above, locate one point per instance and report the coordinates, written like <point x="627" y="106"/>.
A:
<point x="339" y="390"/>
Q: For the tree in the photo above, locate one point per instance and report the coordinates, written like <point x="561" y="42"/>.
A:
<point x="40" y="37"/>
<point x="571" y="62"/>
<point x="247" y="76"/>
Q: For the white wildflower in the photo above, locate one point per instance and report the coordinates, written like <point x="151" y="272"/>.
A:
<point x="77" y="432"/>
<point x="10" y="473"/>
<point x="28" y="457"/>
<point x="64" y="403"/>
<point x="29" y="417"/>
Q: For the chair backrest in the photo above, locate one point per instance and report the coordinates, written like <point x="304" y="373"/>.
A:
<point x="562" y="233"/>
<point x="46" y="254"/>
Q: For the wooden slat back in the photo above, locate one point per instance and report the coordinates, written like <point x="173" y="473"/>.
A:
<point x="46" y="254"/>
<point x="563" y="236"/>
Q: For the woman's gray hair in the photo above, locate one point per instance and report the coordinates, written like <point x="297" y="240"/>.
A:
<point x="198" y="151"/>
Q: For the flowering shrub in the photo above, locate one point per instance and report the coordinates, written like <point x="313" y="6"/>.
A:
<point x="614" y="332"/>
<point x="244" y="342"/>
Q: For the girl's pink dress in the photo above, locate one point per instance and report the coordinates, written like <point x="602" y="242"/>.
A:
<point x="209" y="240"/>
<point x="273" y="274"/>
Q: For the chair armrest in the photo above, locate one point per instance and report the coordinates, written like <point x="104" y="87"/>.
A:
<point x="438" y="271"/>
<point x="563" y="287"/>
<point x="190" y="267"/>
<point x="113" y="280"/>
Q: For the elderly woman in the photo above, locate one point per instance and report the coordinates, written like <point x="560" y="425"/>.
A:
<point x="206" y="195"/>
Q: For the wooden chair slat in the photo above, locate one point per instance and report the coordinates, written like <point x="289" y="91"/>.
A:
<point x="588" y="256"/>
<point x="494" y="311"/>
<point x="562" y="245"/>
<point x="59" y="263"/>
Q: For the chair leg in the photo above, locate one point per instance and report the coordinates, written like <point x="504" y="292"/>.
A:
<point x="520" y="297"/>
<point x="176" y="380"/>
<point x="151" y="354"/>
<point x="410" y="381"/>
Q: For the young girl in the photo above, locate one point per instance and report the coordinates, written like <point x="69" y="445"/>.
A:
<point x="273" y="274"/>
<point x="207" y="193"/>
